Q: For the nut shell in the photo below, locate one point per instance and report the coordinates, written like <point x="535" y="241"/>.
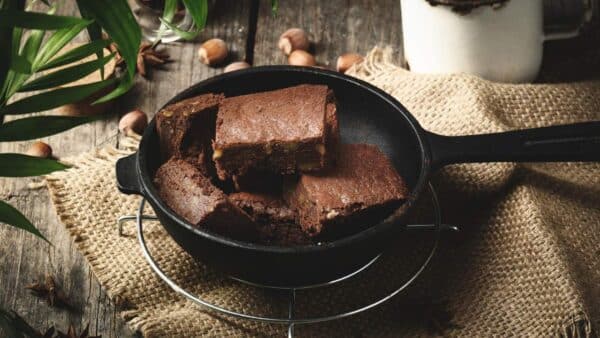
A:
<point x="293" y="39"/>
<point x="301" y="58"/>
<point x="236" y="66"/>
<point x="133" y="122"/>
<point x="40" y="149"/>
<point x="345" y="61"/>
<point x="213" y="51"/>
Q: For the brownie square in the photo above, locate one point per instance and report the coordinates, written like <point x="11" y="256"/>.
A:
<point x="360" y="190"/>
<point x="192" y="196"/>
<point x="282" y="131"/>
<point x="276" y="219"/>
<point x="332" y="140"/>
<point x="186" y="129"/>
<point x="264" y="208"/>
<point x="259" y="181"/>
<point x="264" y="181"/>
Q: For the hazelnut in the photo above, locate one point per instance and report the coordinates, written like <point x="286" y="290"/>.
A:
<point x="212" y="51"/>
<point x="301" y="58"/>
<point x="345" y="61"/>
<point x="133" y="122"/>
<point x="293" y="39"/>
<point x="236" y="66"/>
<point x="39" y="149"/>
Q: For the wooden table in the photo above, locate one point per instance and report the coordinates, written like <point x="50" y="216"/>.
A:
<point x="251" y="32"/>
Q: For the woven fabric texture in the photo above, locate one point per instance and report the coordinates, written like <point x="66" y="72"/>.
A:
<point x="526" y="262"/>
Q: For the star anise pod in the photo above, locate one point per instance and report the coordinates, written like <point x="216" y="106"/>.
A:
<point x="148" y="55"/>
<point x="71" y="333"/>
<point x="49" y="290"/>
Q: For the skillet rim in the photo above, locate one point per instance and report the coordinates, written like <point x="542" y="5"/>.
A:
<point x="149" y="191"/>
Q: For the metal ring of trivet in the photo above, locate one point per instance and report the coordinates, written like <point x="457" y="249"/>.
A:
<point x="290" y="320"/>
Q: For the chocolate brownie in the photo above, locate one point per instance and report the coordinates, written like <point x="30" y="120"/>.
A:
<point x="192" y="196"/>
<point x="360" y="190"/>
<point x="186" y="129"/>
<point x="276" y="219"/>
<point x="260" y="181"/>
<point x="285" y="234"/>
<point x="265" y="208"/>
<point x="282" y="131"/>
<point x="332" y="140"/>
<point x="264" y="181"/>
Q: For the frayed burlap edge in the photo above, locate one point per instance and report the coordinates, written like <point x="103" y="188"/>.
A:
<point x="63" y="206"/>
<point x="378" y="63"/>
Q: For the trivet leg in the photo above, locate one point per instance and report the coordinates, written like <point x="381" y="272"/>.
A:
<point x="291" y="312"/>
<point x="123" y="219"/>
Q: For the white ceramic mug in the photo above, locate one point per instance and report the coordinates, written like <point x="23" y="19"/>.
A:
<point x="502" y="44"/>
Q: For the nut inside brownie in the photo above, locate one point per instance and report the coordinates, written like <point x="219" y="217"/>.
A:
<point x="281" y="131"/>
<point x="360" y="190"/>
<point x="192" y="196"/>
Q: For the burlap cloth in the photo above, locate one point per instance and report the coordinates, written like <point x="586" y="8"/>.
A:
<point x="526" y="262"/>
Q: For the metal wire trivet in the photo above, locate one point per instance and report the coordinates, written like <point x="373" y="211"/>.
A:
<point x="291" y="321"/>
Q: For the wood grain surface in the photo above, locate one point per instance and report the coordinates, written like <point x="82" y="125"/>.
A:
<point x="24" y="258"/>
<point x="334" y="28"/>
<point x="251" y="32"/>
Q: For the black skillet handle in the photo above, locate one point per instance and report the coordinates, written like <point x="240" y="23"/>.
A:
<point x="571" y="142"/>
<point x="127" y="177"/>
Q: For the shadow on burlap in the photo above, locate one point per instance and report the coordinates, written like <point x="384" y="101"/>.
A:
<point x="525" y="263"/>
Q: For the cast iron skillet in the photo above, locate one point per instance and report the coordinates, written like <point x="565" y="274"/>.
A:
<point x="367" y="115"/>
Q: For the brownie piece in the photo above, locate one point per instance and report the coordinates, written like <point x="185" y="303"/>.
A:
<point x="186" y="129"/>
<point x="332" y="140"/>
<point x="276" y="219"/>
<point x="360" y="190"/>
<point x="282" y="131"/>
<point x="264" y="181"/>
<point x="285" y="234"/>
<point x="192" y="196"/>
<point x="258" y="181"/>
<point x="265" y="208"/>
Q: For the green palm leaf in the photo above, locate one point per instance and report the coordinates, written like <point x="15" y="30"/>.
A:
<point x="181" y="33"/>
<point x="19" y="165"/>
<point x="11" y="37"/>
<point x="55" y="43"/>
<point x="12" y="216"/>
<point x="198" y="9"/>
<point x="32" y="46"/>
<point x="54" y="98"/>
<point x="170" y="9"/>
<point x="76" y="54"/>
<point x="116" y="19"/>
<point x="95" y="33"/>
<point x="66" y="75"/>
<point x="39" y="126"/>
<point x="31" y="20"/>
<point x="20" y="64"/>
